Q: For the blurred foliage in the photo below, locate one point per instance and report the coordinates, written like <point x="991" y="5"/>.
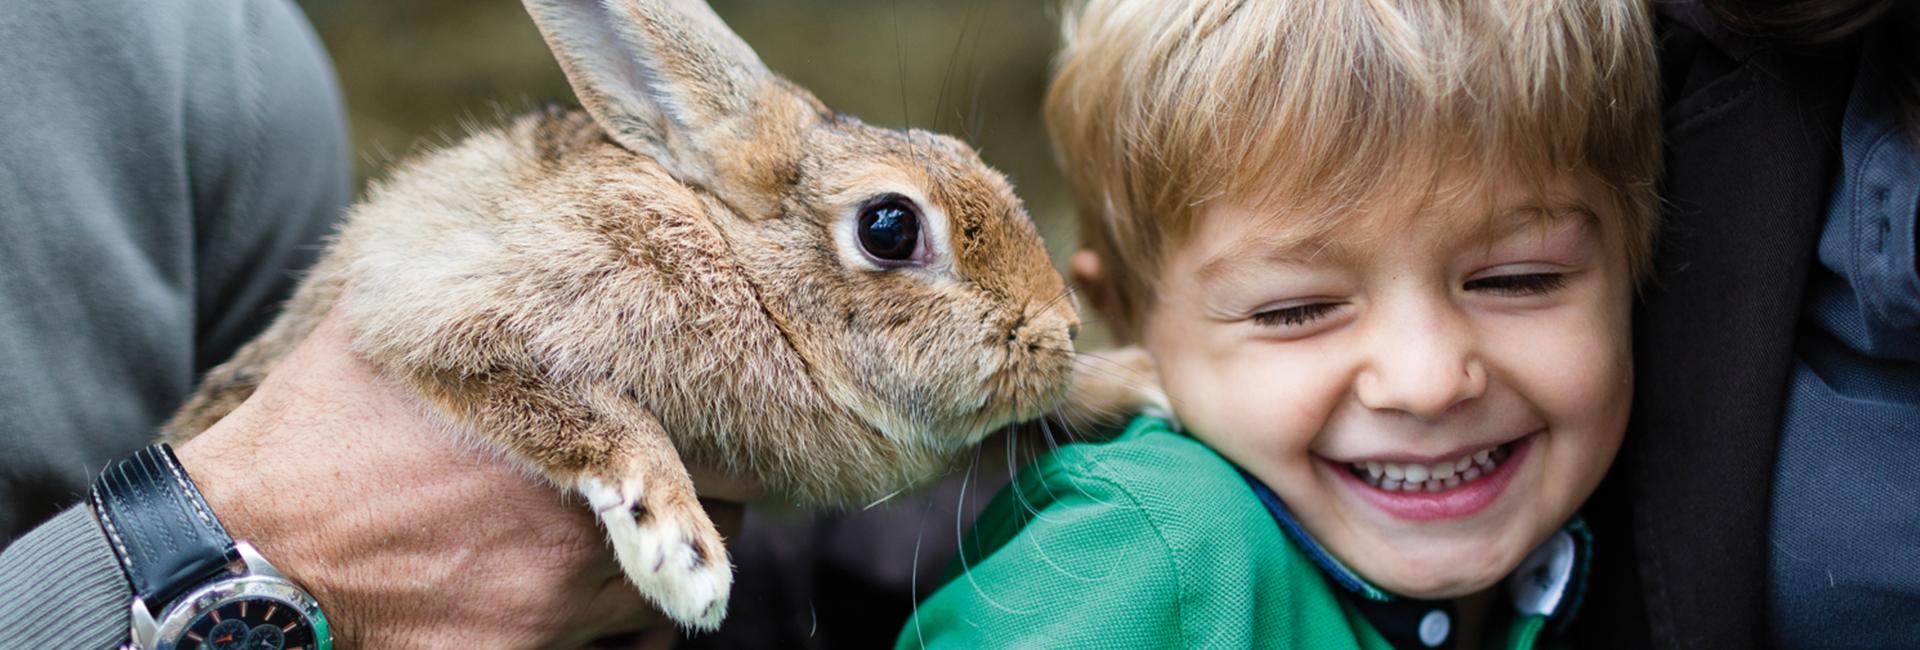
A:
<point x="419" y="72"/>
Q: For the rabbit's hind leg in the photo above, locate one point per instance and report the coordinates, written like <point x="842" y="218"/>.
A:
<point x="229" y="384"/>
<point x="222" y="391"/>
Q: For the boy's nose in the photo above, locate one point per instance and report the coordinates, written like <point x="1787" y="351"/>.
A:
<point x="1422" y="367"/>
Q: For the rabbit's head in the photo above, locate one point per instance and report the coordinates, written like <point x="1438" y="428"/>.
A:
<point x="902" y="269"/>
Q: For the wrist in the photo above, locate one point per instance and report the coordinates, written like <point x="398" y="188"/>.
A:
<point x="307" y="484"/>
<point x="191" y="582"/>
<point x="301" y="470"/>
<point x="246" y="504"/>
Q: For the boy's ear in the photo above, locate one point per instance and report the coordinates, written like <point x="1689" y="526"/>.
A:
<point x="1089" y="275"/>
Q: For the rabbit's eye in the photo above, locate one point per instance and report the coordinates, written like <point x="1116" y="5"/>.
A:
<point x="890" y="230"/>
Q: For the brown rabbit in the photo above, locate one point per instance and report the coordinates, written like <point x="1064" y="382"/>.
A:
<point x="708" y="265"/>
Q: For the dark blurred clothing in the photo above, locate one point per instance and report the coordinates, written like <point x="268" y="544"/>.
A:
<point x="1845" y="520"/>
<point x="1753" y="147"/>
<point x="850" y="580"/>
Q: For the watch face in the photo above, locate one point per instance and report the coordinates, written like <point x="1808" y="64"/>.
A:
<point x="250" y="624"/>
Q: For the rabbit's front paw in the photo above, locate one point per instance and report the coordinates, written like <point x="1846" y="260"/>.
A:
<point x="671" y="552"/>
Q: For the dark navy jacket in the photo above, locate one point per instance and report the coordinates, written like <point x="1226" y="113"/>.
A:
<point x="1681" y="523"/>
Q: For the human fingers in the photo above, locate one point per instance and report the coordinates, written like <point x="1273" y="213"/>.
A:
<point x="615" y="616"/>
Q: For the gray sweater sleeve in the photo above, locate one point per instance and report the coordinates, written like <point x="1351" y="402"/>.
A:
<point x="168" y="167"/>
<point x="62" y="587"/>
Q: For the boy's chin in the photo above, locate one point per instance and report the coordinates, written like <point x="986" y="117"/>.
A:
<point x="1444" y="573"/>
<point x="1441" y="587"/>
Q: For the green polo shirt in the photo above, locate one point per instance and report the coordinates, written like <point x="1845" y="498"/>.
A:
<point x="1152" y="540"/>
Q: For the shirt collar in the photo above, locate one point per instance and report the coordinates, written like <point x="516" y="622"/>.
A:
<point x="1550" y="582"/>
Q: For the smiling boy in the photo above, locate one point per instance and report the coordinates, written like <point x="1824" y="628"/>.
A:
<point x="1382" y="254"/>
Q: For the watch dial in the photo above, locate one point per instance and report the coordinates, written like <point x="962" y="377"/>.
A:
<point x="250" y="624"/>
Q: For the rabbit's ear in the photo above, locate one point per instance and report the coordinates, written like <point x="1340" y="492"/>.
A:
<point x="658" y="75"/>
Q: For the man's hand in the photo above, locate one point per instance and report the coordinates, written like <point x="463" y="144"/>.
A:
<point x="410" y="534"/>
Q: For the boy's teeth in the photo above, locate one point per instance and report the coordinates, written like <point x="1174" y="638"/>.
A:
<point x="1415" y="477"/>
<point x="1416" y="473"/>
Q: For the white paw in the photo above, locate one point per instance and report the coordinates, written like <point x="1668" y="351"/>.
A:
<point x="660" y="555"/>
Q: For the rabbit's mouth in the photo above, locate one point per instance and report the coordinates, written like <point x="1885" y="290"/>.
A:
<point x="1036" y="375"/>
<point x="1026" y="390"/>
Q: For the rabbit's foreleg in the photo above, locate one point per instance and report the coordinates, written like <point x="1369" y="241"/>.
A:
<point x="665" y="542"/>
<point x="599" y="441"/>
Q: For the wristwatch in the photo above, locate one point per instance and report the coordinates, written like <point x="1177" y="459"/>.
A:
<point x="195" y="587"/>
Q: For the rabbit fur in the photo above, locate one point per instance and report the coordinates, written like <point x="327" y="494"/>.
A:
<point x="674" y="275"/>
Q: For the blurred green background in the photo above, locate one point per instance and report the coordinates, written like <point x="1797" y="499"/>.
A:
<point x="418" y="72"/>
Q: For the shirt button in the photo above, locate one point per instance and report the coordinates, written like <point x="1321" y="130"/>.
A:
<point x="1434" y="628"/>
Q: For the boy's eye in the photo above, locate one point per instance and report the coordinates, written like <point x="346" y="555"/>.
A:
<point x="1525" y="284"/>
<point x="1295" y="315"/>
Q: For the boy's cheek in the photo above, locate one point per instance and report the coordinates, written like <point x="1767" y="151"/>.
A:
<point x="1577" y="367"/>
<point x="1245" y="390"/>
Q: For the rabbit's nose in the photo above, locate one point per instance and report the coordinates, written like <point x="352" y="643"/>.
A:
<point x="1046" y="330"/>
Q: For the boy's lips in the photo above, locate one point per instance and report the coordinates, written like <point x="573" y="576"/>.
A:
<point x="1434" y="497"/>
<point x="1455" y="453"/>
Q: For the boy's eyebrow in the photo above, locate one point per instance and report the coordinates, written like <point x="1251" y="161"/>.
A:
<point x="1499" y="225"/>
<point x="1286" y="246"/>
<point x="1303" y="246"/>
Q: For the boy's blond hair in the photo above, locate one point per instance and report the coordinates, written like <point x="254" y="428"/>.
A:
<point x="1158" y="107"/>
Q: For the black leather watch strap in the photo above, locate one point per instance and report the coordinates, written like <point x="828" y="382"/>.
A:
<point x="166" y="536"/>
